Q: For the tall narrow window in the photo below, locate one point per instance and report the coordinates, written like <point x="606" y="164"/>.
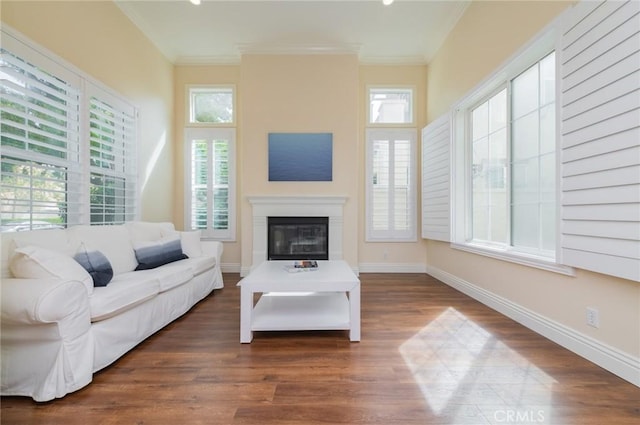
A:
<point x="112" y="183"/>
<point x="533" y="159"/>
<point x="391" y="180"/>
<point x="210" y="175"/>
<point x="489" y="169"/>
<point x="210" y="161"/>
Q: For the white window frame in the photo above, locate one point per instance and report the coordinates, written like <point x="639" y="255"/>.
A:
<point x="391" y="234"/>
<point x="211" y="134"/>
<point x="125" y="161"/>
<point x="190" y="88"/>
<point x="78" y="187"/>
<point x="530" y="54"/>
<point x="411" y="89"/>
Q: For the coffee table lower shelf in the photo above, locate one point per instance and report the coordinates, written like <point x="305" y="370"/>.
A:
<point x="293" y="311"/>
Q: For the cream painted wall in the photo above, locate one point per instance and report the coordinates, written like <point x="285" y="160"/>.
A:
<point x="486" y="35"/>
<point x="383" y="255"/>
<point x="204" y="75"/>
<point x="99" y="40"/>
<point x="308" y="99"/>
<point x="291" y="93"/>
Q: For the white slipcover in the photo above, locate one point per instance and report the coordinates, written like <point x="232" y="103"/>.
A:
<point x="55" y="334"/>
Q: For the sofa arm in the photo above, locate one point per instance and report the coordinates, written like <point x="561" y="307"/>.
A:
<point x="212" y="248"/>
<point x="47" y="344"/>
<point x="44" y="300"/>
<point x="215" y="249"/>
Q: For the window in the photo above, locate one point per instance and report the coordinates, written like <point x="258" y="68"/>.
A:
<point x="505" y="162"/>
<point x="45" y="183"/>
<point x="533" y="158"/>
<point x="210" y="161"/>
<point x="212" y="105"/>
<point x="111" y="154"/>
<point x="390" y="106"/>
<point x="210" y="177"/>
<point x="391" y="191"/>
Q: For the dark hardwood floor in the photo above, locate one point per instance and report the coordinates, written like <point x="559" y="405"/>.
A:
<point x="428" y="355"/>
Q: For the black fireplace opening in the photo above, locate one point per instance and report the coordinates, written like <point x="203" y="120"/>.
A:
<point x="298" y="238"/>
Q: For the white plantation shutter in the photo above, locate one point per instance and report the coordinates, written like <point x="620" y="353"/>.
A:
<point x="391" y="185"/>
<point x="68" y="143"/>
<point x="600" y="70"/>
<point x="40" y="142"/>
<point x="436" y="166"/>
<point x="210" y="177"/>
<point x="112" y="135"/>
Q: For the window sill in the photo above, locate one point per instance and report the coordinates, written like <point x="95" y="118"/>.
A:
<point x="518" y="258"/>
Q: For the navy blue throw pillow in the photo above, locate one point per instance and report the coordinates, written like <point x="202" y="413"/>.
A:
<point x="97" y="265"/>
<point x="152" y="255"/>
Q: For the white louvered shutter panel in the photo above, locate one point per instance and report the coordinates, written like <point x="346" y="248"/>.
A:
<point x="40" y="141"/>
<point x="391" y="184"/>
<point x="112" y="156"/>
<point x="600" y="72"/>
<point x="436" y="166"/>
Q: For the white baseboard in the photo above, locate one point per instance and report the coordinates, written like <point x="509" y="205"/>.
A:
<point x="230" y="267"/>
<point x="362" y="268"/>
<point x="392" y="268"/>
<point x="615" y="361"/>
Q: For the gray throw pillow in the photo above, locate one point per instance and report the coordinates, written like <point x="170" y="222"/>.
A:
<point x="97" y="265"/>
<point x="156" y="254"/>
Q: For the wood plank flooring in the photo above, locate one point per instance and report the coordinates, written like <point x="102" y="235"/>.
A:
<point x="428" y="355"/>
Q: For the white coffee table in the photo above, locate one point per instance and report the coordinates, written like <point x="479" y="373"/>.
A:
<point x="324" y="299"/>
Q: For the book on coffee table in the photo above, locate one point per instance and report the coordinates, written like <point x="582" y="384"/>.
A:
<point x="302" y="266"/>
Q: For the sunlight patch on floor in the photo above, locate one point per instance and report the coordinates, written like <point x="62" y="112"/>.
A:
<point x="464" y="370"/>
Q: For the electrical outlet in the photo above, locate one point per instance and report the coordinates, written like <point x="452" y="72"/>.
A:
<point x="385" y="254"/>
<point x="593" y="317"/>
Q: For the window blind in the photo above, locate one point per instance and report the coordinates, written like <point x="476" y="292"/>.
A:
<point x="436" y="166"/>
<point x="68" y="143"/>
<point x="112" y="135"/>
<point x="40" y="145"/>
<point x="600" y="127"/>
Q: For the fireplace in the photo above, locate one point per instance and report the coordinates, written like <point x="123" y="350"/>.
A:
<point x="267" y="206"/>
<point x="298" y="238"/>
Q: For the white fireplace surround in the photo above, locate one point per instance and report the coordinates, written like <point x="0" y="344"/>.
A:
<point x="296" y="206"/>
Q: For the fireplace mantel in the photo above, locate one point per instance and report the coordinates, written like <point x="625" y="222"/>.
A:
<point x="264" y="206"/>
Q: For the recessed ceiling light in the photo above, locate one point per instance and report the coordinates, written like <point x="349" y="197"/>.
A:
<point x="387" y="2"/>
<point x="197" y="2"/>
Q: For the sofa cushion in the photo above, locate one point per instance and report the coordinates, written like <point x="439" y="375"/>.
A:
<point x="200" y="264"/>
<point x="96" y="264"/>
<point x="155" y="254"/>
<point x="112" y="240"/>
<point x="191" y="245"/>
<point x="37" y="262"/>
<point x="169" y="276"/>
<point x="125" y="291"/>
<point x="143" y="231"/>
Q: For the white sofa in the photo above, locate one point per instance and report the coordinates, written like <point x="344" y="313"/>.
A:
<point x="58" y="329"/>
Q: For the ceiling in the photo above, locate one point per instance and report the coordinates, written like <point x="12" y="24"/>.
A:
<point x="218" y="31"/>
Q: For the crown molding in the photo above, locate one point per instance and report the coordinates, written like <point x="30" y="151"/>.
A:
<point x="298" y="49"/>
<point x="145" y="28"/>
<point x="208" y="60"/>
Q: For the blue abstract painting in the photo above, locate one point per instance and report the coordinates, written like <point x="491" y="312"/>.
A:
<point x="300" y="157"/>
